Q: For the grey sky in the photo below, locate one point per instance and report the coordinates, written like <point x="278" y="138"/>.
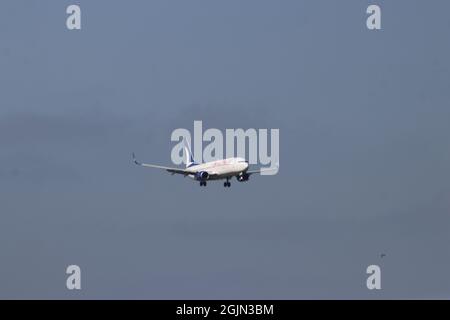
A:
<point x="364" y="141"/>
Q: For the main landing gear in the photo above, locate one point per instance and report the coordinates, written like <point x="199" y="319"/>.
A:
<point x="227" y="184"/>
<point x="202" y="183"/>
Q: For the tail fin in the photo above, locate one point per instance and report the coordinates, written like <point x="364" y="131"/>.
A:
<point x="188" y="155"/>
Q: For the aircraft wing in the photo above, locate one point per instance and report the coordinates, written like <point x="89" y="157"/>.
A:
<point x="249" y="172"/>
<point x="168" y="169"/>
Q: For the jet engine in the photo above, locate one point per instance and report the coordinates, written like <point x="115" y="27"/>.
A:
<point x="201" y="176"/>
<point x="243" y="177"/>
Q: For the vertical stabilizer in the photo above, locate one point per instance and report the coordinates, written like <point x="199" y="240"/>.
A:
<point x="188" y="155"/>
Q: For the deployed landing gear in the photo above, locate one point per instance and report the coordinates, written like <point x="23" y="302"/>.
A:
<point x="202" y="183"/>
<point x="227" y="184"/>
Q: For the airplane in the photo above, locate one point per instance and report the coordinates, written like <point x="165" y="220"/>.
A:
<point x="215" y="170"/>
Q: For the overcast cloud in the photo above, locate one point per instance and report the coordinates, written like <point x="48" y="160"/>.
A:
<point x="364" y="149"/>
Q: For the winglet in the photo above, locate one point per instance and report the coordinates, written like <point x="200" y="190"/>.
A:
<point x="134" y="159"/>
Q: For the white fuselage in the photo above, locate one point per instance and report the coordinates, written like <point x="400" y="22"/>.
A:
<point x="221" y="168"/>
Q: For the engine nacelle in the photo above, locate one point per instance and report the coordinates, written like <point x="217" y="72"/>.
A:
<point x="243" y="177"/>
<point x="201" y="176"/>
